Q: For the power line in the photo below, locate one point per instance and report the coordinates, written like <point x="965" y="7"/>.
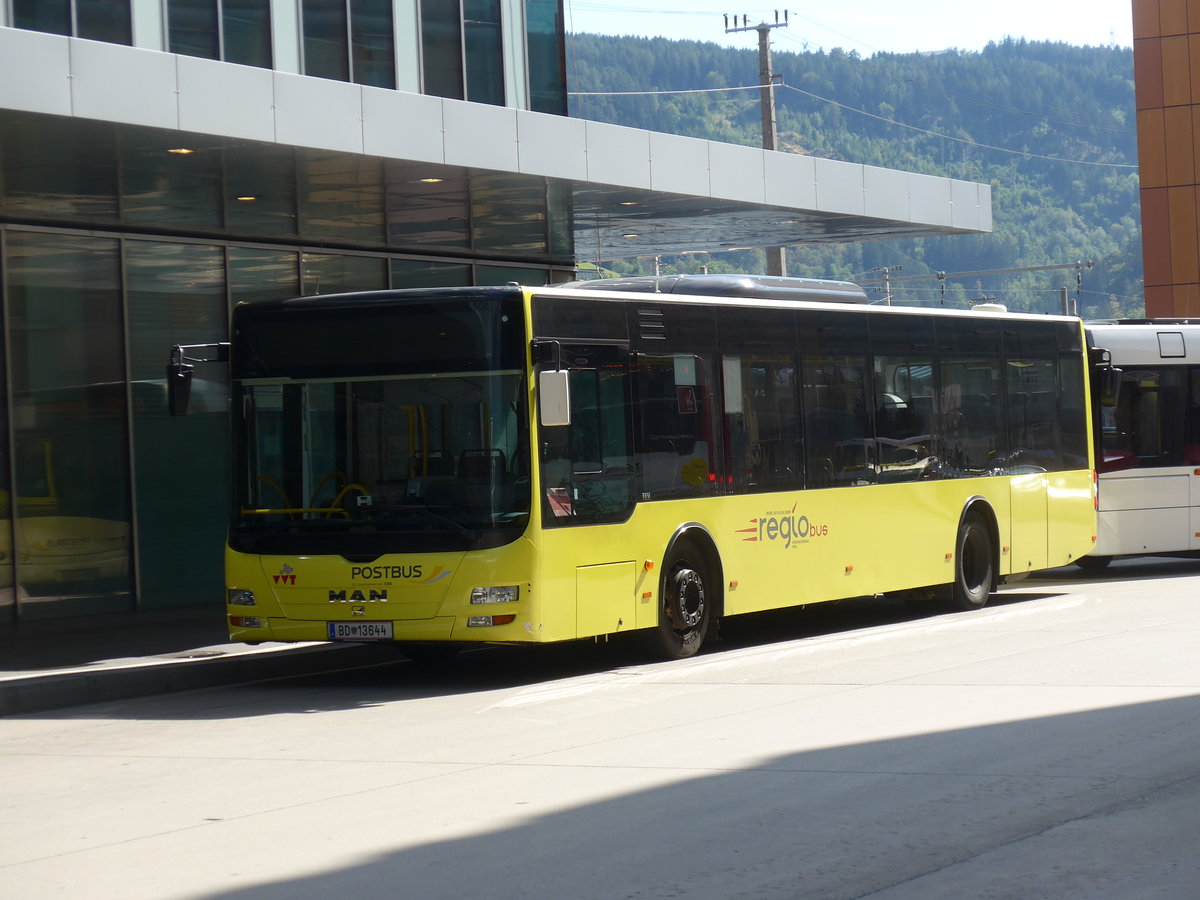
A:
<point x="1025" y="153"/>
<point x="948" y="137"/>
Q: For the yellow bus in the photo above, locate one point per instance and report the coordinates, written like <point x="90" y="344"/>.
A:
<point x="534" y="464"/>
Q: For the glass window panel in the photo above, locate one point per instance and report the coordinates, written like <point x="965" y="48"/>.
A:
<point x="419" y="273"/>
<point x="547" y="57"/>
<point x="51" y="16"/>
<point x="1146" y="429"/>
<point x="162" y="186"/>
<point x="427" y="207"/>
<point x="504" y="274"/>
<point x="588" y="470"/>
<point x="837" y="428"/>
<point x="1031" y="371"/>
<point x="260" y="186"/>
<point x="192" y="28"/>
<point x="326" y="273"/>
<point x="326" y="39"/>
<point x="483" y="51"/>
<point x="341" y="197"/>
<point x="970" y="399"/>
<point x="58" y="168"/>
<point x="441" y="49"/>
<point x="176" y="295"/>
<point x="70" y="436"/>
<point x="104" y="20"/>
<point x="247" y="32"/>
<point x="372" y="43"/>
<point x="263" y="274"/>
<point x="674" y="438"/>
<point x="508" y="215"/>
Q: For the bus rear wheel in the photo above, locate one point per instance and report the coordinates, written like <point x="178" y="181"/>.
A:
<point x="974" y="566"/>
<point x="685" y="603"/>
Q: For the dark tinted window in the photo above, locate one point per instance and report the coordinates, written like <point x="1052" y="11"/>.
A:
<point x="761" y="401"/>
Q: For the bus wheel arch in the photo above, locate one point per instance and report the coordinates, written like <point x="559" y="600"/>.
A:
<point x="976" y="560"/>
<point x="690" y="599"/>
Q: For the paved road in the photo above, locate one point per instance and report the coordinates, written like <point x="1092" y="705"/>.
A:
<point x="1047" y="746"/>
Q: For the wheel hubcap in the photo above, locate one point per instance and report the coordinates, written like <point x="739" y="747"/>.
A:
<point x="688" y="606"/>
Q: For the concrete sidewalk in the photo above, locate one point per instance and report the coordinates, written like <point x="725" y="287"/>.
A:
<point x="55" y="664"/>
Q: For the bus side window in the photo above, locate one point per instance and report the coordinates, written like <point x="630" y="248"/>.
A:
<point x="761" y="424"/>
<point x="838" y="439"/>
<point x="587" y="468"/>
<point x="903" y="431"/>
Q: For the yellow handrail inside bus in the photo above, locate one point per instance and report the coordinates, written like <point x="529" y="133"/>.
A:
<point x="340" y="477"/>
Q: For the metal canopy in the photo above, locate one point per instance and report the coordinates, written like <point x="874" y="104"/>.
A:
<point x="630" y="192"/>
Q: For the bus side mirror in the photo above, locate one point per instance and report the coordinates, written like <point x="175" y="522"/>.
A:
<point x="179" y="387"/>
<point x="1109" y="386"/>
<point x="554" y="396"/>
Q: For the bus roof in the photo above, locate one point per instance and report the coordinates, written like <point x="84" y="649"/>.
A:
<point x="1147" y="341"/>
<point x="759" y="287"/>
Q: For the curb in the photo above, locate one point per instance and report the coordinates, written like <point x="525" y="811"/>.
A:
<point x="51" y="690"/>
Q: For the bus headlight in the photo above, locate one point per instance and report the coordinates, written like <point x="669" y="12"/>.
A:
<point x="506" y="594"/>
<point x="245" y="621"/>
<point x="241" y="597"/>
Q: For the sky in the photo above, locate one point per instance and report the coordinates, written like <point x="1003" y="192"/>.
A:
<point x="868" y="26"/>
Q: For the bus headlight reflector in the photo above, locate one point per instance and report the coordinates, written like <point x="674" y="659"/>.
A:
<point x="241" y="597"/>
<point x="245" y="621"/>
<point x="485" y="621"/>
<point x="506" y="594"/>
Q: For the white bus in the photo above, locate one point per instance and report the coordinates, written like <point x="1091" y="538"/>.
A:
<point x="1148" y="443"/>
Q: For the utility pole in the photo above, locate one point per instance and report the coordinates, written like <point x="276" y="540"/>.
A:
<point x="766" y="77"/>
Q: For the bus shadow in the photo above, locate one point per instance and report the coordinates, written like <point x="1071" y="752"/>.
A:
<point x="400" y="679"/>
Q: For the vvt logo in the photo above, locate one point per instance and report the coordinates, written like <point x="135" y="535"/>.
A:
<point x="783" y="526"/>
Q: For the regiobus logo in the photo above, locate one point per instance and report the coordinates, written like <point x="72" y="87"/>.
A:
<point x="784" y="526"/>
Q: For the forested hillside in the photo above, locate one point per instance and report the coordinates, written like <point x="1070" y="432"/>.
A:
<point x="1050" y="126"/>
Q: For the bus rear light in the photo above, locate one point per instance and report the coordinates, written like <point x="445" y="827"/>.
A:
<point x="506" y="594"/>
<point x="245" y="621"/>
<point x="486" y="621"/>
<point x="240" y="597"/>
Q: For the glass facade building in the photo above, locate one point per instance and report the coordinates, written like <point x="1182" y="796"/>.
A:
<point x="118" y="241"/>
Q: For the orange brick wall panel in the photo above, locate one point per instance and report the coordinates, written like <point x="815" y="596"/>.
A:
<point x="1145" y="19"/>
<point x="1176" y="71"/>
<point x="1173" y="16"/>
<point x="1194" y="66"/>
<point x="1185" y="300"/>
<point x="1148" y="73"/>
<point x="1177" y="122"/>
<point x="1159" y="302"/>
<point x="1184" y="234"/>
<point x="1152" y="148"/>
<point x="1156" y="250"/>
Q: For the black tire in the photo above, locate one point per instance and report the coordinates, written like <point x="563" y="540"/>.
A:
<point x="685" y="603"/>
<point x="974" y="565"/>
<point x="1093" y="563"/>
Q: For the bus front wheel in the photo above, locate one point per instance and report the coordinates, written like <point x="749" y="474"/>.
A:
<point x="974" y="568"/>
<point x="685" y="603"/>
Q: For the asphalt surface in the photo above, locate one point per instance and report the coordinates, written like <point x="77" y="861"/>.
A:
<point x="56" y="664"/>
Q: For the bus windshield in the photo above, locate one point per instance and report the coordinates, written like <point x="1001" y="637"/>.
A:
<point x="403" y="455"/>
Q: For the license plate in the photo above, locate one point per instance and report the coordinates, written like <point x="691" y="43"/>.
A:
<point x="360" y="631"/>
